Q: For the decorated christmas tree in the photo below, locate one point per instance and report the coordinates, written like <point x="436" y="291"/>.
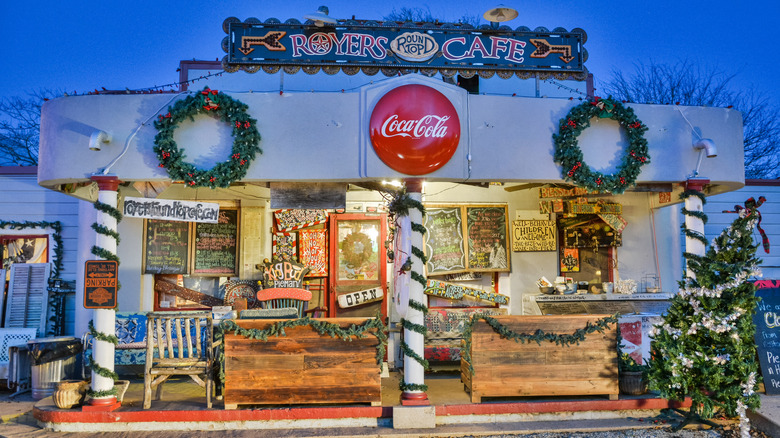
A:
<point x="704" y="349"/>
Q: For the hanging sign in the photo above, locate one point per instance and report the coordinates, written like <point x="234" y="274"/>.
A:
<point x="533" y="235"/>
<point x="352" y="299"/>
<point x="166" y="209"/>
<point x="452" y="291"/>
<point x="100" y="284"/>
<point x="373" y="45"/>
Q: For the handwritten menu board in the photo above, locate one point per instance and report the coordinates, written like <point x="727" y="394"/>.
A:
<point x="313" y="249"/>
<point x="444" y="240"/>
<point x="487" y="231"/>
<point x="216" y="245"/>
<point x="767" y="321"/>
<point x="167" y="247"/>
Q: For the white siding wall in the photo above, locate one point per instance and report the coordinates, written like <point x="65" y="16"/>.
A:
<point x="22" y="199"/>
<point x="770" y="220"/>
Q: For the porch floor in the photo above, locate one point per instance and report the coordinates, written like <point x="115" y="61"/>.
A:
<point x="183" y="407"/>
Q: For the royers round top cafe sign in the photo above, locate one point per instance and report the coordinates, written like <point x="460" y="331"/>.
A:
<point x="414" y="129"/>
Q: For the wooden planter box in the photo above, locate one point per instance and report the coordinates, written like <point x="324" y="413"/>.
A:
<point x="302" y="367"/>
<point x="505" y="368"/>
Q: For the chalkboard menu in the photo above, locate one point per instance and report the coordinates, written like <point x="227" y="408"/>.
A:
<point x="444" y="240"/>
<point x="487" y="231"/>
<point x="167" y="247"/>
<point x="767" y="321"/>
<point x="215" y="247"/>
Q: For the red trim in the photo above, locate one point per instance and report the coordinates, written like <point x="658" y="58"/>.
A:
<point x="762" y="182"/>
<point x="18" y="170"/>
<point x="106" y="182"/>
<point x="696" y="184"/>
<point x="48" y="413"/>
<point x="283" y="292"/>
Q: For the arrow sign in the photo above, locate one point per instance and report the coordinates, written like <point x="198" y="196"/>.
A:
<point x="100" y="284"/>
<point x="543" y="48"/>
<point x="270" y="40"/>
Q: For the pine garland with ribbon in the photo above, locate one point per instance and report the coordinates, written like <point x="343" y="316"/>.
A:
<point x="400" y="205"/>
<point x="100" y="336"/>
<point x="569" y="155"/>
<point x="578" y="336"/>
<point x="246" y="139"/>
<point x="373" y="326"/>
<point x="55" y="303"/>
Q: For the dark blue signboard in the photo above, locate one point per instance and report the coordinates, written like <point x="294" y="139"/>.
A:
<point x="767" y="320"/>
<point x="448" y="49"/>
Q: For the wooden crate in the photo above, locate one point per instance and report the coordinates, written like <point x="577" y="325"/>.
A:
<point x="505" y="368"/>
<point x="302" y="367"/>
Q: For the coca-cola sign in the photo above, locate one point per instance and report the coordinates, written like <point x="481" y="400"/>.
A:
<point x="415" y="129"/>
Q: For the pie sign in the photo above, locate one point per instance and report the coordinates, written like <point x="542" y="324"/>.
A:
<point x="415" y="129"/>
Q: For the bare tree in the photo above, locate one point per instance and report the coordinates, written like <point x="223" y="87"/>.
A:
<point x="424" y="15"/>
<point x="685" y="83"/>
<point x="20" y="125"/>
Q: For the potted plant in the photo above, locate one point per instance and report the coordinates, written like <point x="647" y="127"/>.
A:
<point x="632" y="375"/>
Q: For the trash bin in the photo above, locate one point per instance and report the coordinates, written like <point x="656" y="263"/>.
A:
<point x="52" y="360"/>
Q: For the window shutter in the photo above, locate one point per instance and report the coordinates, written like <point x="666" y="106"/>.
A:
<point x="28" y="296"/>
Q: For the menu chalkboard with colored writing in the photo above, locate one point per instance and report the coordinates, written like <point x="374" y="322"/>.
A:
<point x="167" y="247"/>
<point x="487" y="229"/>
<point x="767" y="321"/>
<point x="215" y="246"/>
<point x="444" y="240"/>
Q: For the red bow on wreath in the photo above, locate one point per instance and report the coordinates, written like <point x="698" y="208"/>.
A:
<point x="752" y="205"/>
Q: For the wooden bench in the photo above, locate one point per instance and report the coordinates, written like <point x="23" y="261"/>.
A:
<point x="501" y="367"/>
<point x="301" y="367"/>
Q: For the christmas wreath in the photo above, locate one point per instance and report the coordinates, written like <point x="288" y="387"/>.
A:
<point x="357" y="249"/>
<point x="569" y="154"/>
<point x="245" y="139"/>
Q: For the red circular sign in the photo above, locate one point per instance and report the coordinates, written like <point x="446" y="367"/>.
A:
<point x="414" y="129"/>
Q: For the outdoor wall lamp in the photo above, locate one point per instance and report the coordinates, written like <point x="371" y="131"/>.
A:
<point x="97" y="139"/>
<point x="320" y="18"/>
<point x="499" y="14"/>
<point x="706" y="145"/>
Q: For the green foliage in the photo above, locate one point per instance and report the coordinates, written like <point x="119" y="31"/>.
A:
<point x="572" y="161"/>
<point x="704" y="349"/>
<point x="246" y="139"/>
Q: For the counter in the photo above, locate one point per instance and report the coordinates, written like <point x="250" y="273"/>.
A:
<point x="625" y="304"/>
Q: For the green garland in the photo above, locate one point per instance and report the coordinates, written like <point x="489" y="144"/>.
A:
<point x="373" y="326"/>
<point x="58" y="306"/>
<point x="569" y="154"/>
<point x="233" y="112"/>
<point x="578" y="336"/>
<point x="400" y="205"/>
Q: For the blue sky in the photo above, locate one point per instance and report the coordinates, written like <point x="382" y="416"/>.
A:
<point x="83" y="45"/>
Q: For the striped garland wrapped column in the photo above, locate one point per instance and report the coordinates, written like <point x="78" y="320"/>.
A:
<point x="413" y="386"/>
<point x="695" y="218"/>
<point x="102" y="392"/>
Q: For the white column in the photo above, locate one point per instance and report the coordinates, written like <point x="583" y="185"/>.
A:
<point x="104" y="320"/>
<point x="693" y="223"/>
<point x="414" y="372"/>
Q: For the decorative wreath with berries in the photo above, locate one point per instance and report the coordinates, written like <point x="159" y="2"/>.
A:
<point x="233" y="112"/>
<point x="569" y="154"/>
